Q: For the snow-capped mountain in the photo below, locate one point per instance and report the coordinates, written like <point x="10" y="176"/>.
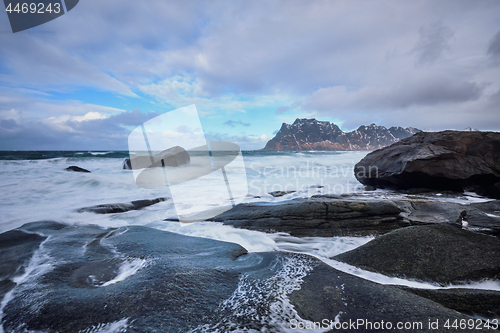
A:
<point x="311" y="134"/>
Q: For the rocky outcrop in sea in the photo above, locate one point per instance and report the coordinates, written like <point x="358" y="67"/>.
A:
<point x="311" y="134"/>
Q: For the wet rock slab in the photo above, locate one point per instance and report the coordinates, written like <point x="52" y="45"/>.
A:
<point x="440" y="254"/>
<point x="178" y="280"/>
<point x="475" y="302"/>
<point x="327" y="293"/>
<point x="137" y="279"/>
<point x="319" y="216"/>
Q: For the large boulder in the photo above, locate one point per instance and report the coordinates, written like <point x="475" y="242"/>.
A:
<point x="449" y="160"/>
<point x="439" y="253"/>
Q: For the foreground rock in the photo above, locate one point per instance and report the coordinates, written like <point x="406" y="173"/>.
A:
<point x="16" y="249"/>
<point x="448" y="160"/>
<point x="485" y="303"/>
<point x="175" y="156"/>
<point x="329" y="294"/>
<point x="319" y="216"/>
<point x="121" y="207"/>
<point x="440" y="253"/>
<point x="178" y="280"/>
<point x="76" y="169"/>
<point x="138" y="279"/>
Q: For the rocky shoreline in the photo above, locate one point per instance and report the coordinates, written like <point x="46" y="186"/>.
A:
<point x="57" y="277"/>
<point x="178" y="283"/>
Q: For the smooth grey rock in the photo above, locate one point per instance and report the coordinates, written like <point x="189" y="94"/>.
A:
<point x="440" y="253"/>
<point x="121" y="207"/>
<point x="481" y="217"/>
<point x="485" y="303"/>
<point x="16" y="250"/>
<point x="190" y="284"/>
<point x="182" y="281"/>
<point x="327" y="293"/>
<point x="448" y="160"/>
<point x="280" y="193"/>
<point x="319" y="216"/>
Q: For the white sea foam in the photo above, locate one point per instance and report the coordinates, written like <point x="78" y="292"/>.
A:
<point x="39" y="264"/>
<point x="492" y="215"/>
<point x="127" y="268"/>
<point x="262" y="305"/>
<point x="252" y="241"/>
<point x="100" y="153"/>
<point x="114" y="327"/>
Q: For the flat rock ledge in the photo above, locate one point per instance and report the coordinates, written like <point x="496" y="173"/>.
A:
<point x="474" y="302"/>
<point x="318" y="216"/>
<point x="327" y="293"/>
<point x="441" y="254"/>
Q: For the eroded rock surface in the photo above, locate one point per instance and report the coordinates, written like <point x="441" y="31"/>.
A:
<point x="319" y="216"/>
<point x="440" y="254"/>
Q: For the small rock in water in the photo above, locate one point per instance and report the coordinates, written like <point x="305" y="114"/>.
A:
<point x="76" y="169"/>
<point x="280" y="193"/>
<point x="121" y="207"/>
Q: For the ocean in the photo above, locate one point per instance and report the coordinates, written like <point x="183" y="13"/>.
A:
<point x="36" y="187"/>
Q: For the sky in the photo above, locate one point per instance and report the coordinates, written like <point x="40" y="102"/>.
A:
<point x="87" y="79"/>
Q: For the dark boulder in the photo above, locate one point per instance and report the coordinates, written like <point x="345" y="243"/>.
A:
<point x="121" y="207"/>
<point x="328" y="294"/>
<point x="448" y="160"/>
<point x="76" y="169"/>
<point x="175" y="156"/>
<point x="320" y="216"/>
<point x="485" y="303"/>
<point x="439" y="253"/>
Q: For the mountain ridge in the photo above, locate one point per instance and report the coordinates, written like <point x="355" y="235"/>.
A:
<point x="312" y="134"/>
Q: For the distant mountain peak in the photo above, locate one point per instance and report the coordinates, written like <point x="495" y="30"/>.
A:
<point x="312" y="134"/>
